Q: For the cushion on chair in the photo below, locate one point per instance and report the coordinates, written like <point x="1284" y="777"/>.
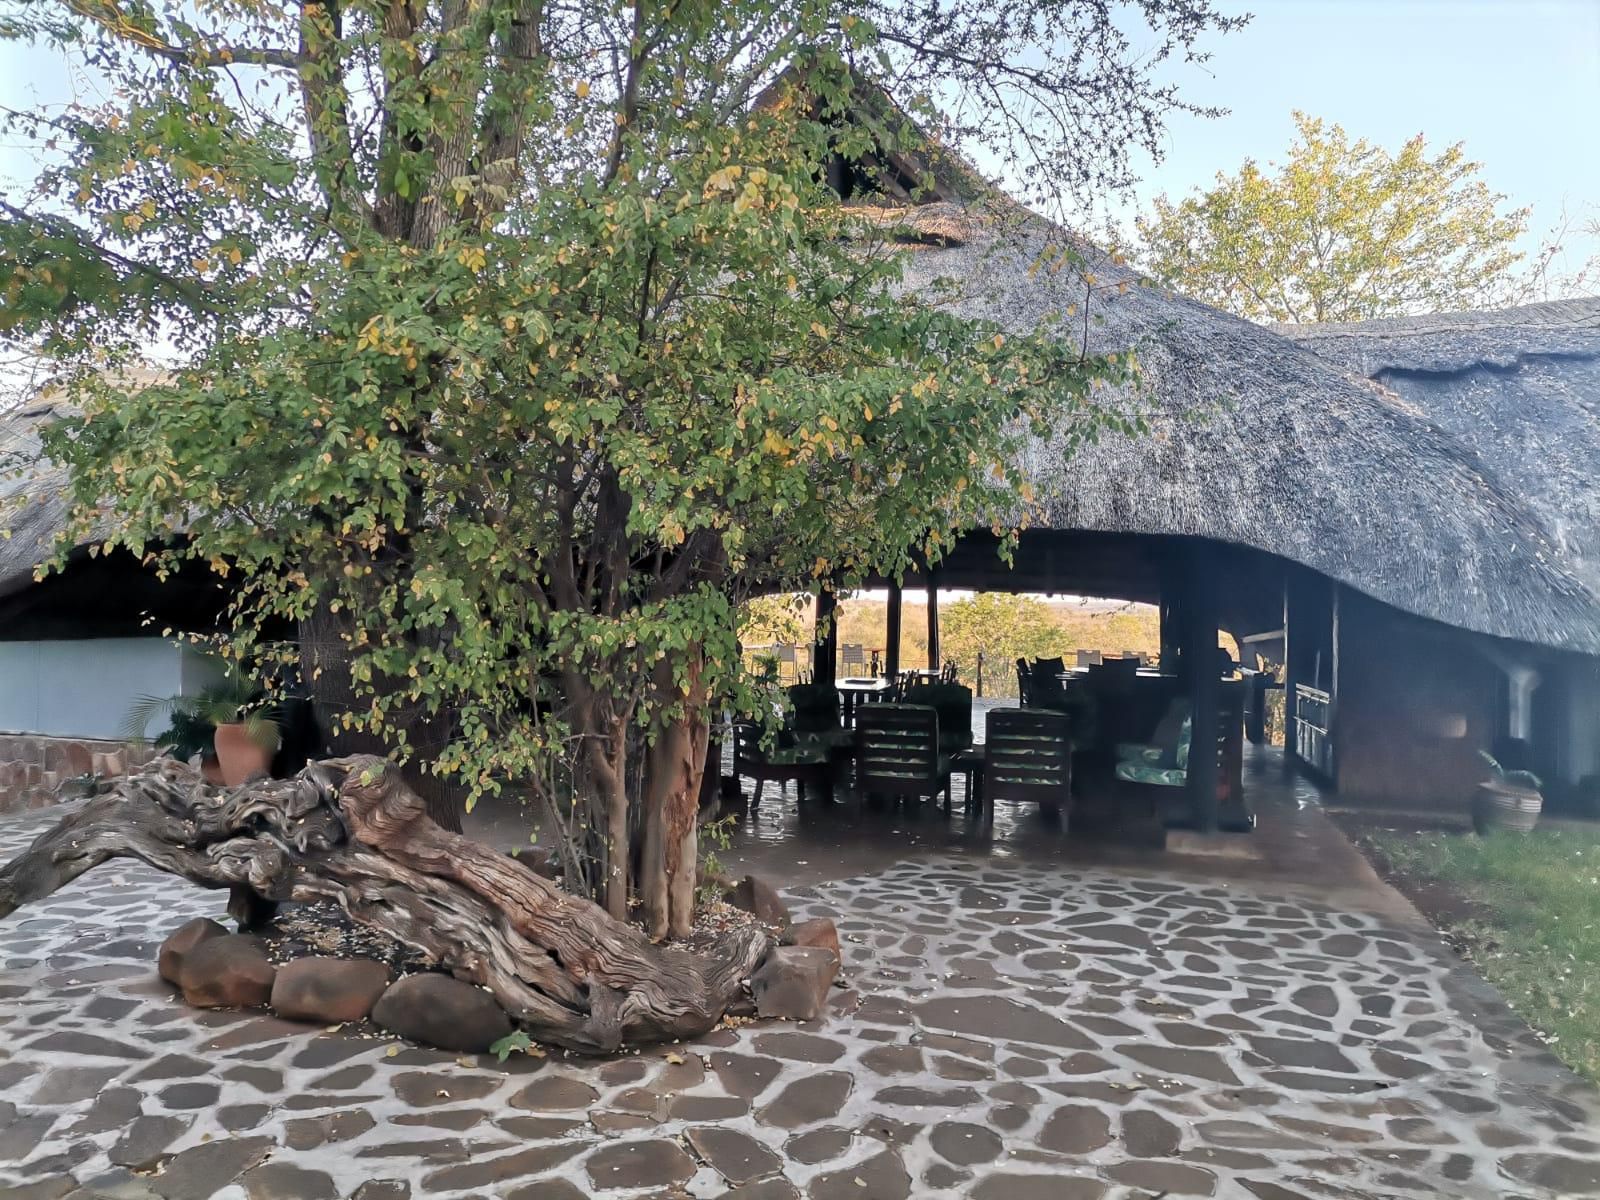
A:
<point x="804" y="753"/>
<point x="1142" y="772"/>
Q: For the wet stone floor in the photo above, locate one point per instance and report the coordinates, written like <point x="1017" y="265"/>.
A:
<point x="1012" y="1030"/>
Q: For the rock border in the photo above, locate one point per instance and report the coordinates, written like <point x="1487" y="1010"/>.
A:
<point x="215" y="968"/>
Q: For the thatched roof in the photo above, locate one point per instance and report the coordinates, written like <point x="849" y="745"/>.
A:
<point x="1519" y="388"/>
<point x="33" y="507"/>
<point x="1420" y="500"/>
<point x="33" y="503"/>
<point x="1256" y="441"/>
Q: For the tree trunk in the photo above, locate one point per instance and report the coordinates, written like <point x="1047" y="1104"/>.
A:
<point x="608" y="768"/>
<point x="325" y="663"/>
<point x="351" y="831"/>
<point x="672" y="806"/>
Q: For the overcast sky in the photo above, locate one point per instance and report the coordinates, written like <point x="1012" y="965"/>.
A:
<point x="1517" y="80"/>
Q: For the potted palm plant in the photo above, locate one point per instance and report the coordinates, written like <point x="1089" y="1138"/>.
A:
<point x="228" y="724"/>
<point x="1508" y="800"/>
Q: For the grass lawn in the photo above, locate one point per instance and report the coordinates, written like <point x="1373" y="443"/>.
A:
<point x="1529" y="917"/>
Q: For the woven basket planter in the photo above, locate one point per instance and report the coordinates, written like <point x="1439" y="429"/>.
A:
<point x="1500" y="806"/>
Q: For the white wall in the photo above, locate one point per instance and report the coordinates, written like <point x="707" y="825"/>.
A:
<point x="84" y="688"/>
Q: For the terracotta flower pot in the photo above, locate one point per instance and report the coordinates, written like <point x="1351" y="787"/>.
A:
<point x="240" y="756"/>
<point x="1503" y="806"/>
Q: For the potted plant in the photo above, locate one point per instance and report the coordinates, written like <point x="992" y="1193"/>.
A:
<point x="1508" y="800"/>
<point x="228" y="724"/>
<point x="188" y="735"/>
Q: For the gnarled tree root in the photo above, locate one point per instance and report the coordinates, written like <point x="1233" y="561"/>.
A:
<point x="350" y="831"/>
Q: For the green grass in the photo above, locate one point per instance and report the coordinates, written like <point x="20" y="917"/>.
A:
<point x="1535" y="932"/>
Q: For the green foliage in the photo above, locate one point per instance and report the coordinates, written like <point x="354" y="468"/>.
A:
<point x="714" y="835"/>
<point x="515" y="346"/>
<point x="187" y="734"/>
<point x="194" y="719"/>
<point x="1343" y="231"/>
<point x="1530" y="917"/>
<point x="1004" y="628"/>
<point x="768" y="620"/>
<point x="514" y="1042"/>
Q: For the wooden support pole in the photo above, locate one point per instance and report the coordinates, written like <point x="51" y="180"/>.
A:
<point x="1201" y="665"/>
<point x="825" y="636"/>
<point x="1291" y="679"/>
<point x="891" y="648"/>
<point x="1333" y="682"/>
<point x="1171" y="610"/>
<point x="934" y="660"/>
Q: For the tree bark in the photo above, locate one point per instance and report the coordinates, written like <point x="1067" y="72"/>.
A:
<point x="351" y="831"/>
<point x="672" y="805"/>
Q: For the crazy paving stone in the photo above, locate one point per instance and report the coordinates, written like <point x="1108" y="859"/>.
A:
<point x="735" y="1156"/>
<point x="652" y="1164"/>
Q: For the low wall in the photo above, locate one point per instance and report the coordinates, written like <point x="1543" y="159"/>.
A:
<point x="33" y="767"/>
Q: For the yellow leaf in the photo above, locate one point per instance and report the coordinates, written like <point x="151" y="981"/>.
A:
<point x="582" y="89"/>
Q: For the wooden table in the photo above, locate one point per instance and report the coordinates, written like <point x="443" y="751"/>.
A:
<point x="971" y="762"/>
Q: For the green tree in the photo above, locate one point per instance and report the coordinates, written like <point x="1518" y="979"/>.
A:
<point x="1342" y="231"/>
<point x="769" y="619"/>
<point x="511" y="345"/>
<point x="1003" y="628"/>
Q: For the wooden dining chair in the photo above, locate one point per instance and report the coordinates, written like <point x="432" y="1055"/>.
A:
<point x="1028" y="760"/>
<point x="898" y="755"/>
<point x="852" y="660"/>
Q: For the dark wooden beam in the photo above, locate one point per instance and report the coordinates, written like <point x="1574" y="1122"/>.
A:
<point x="1291" y="678"/>
<point x="825" y="655"/>
<point x="1201" y="666"/>
<point x="934" y="660"/>
<point x="891" y="642"/>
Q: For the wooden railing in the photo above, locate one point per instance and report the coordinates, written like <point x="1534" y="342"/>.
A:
<point x="1312" y="728"/>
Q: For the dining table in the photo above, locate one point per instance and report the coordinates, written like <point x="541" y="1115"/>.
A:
<point x="852" y="691"/>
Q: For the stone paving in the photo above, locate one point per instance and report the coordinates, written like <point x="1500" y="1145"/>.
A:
<point x="1013" y="1030"/>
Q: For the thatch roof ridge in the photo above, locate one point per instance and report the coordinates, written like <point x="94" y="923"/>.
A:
<point x="1456" y="341"/>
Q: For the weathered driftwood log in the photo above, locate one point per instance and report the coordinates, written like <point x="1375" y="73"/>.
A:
<point x="349" y="830"/>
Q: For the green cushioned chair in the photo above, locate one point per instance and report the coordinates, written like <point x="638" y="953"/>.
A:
<point x="805" y="759"/>
<point x="898" y="754"/>
<point x="1141" y="764"/>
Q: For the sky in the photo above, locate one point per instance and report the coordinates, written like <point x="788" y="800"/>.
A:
<point x="1518" y="81"/>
